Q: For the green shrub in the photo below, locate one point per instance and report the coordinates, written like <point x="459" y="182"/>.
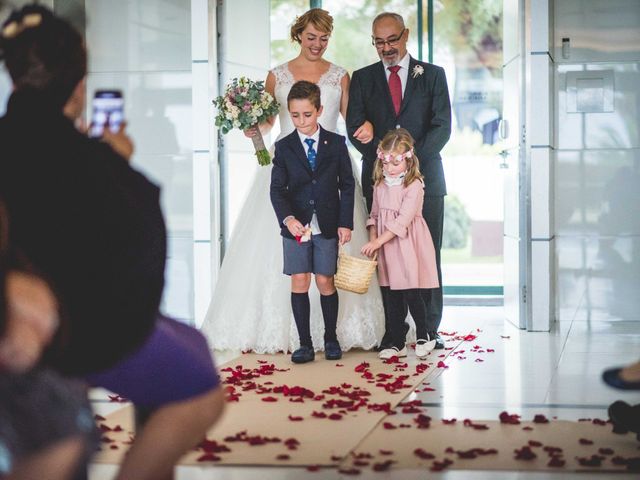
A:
<point x="456" y="223"/>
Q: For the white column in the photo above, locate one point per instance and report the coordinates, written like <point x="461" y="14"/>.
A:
<point x="541" y="148"/>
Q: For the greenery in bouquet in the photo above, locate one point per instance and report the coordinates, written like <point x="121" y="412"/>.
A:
<point x="246" y="104"/>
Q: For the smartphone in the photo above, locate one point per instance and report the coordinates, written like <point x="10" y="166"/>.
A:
<point x="107" y="110"/>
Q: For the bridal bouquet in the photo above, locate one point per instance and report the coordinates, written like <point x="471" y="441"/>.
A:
<point x="245" y="104"/>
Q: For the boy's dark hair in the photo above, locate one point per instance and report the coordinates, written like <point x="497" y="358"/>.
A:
<point x="304" y="90"/>
<point x="43" y="52"/>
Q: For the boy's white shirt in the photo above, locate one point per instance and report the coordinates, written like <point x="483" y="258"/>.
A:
<point x="315" y="226"/>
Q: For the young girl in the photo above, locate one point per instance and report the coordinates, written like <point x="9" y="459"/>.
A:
<point x="399" y="233"/>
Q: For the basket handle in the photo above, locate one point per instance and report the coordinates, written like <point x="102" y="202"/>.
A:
<point x="341" y="250"/>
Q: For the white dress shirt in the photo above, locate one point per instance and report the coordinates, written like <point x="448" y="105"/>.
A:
<point x="315" y="226"/>
<point x="403" y="73"/>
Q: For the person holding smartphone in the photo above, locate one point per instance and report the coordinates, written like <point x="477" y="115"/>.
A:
<point x="92" y="225"/>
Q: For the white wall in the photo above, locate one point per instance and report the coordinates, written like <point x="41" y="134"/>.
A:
<point x="159" y="57"/>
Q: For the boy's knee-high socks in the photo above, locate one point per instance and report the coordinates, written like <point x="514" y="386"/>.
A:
<point x="329" y="304"/>
<point x="301" y="312"/>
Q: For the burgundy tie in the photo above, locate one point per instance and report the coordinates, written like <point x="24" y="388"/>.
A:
<point x="395" y="87"/>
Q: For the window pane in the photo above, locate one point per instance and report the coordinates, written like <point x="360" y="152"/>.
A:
<point x="468" y="44"/>
<point x="350" y="45"/>
<point x="283" y="14"/>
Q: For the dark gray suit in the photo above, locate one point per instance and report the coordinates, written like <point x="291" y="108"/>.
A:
<point x="426" y="113"/>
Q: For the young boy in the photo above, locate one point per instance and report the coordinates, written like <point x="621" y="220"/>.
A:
<point x="312" y="191"/>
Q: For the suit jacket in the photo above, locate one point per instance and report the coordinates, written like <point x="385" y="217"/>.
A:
<point x="425" y="112"/>
<point x="298" y="191"/>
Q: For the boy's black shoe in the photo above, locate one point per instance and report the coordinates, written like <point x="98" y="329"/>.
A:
<point x="332" y="351"/>
<point x="303" y="355"/>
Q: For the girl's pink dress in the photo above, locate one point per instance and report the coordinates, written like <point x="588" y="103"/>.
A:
<point x="408" y="260"/>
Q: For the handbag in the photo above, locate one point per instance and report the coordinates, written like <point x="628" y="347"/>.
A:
<point x="354" y="273"/>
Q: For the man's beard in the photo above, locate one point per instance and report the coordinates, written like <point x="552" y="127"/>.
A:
<point x="392" y="58"/>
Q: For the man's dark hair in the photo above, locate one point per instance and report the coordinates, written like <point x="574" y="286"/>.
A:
<point x="304" y="90"/>
<point x="43" y="52"/>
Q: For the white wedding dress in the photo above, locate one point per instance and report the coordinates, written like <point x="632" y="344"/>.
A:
<point x="251" y="305"/>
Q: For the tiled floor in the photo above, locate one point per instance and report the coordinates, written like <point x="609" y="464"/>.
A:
<point x="556" y="374"/>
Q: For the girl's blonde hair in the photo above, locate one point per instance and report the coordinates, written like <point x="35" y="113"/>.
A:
<point x="318" y="17"/>
<point x="398" y="141"/>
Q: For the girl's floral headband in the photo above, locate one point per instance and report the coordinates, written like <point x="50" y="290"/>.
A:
<point x="387" y="157"/>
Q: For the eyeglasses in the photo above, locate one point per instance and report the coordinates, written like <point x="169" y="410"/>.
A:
<point x="392" y="42"/>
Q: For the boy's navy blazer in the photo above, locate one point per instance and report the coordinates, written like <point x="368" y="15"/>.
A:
<point x="329" y="190"/>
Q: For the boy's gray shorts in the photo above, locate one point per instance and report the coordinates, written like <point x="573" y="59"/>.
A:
<point x="319" y="255"/>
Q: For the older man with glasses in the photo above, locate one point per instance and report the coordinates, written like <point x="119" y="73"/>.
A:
<point x="400" y="91"/>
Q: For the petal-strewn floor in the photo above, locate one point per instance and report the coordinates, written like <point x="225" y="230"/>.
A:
<point x="555" y="374"/>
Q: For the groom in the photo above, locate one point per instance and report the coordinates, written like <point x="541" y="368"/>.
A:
<point x="400" y="91"/>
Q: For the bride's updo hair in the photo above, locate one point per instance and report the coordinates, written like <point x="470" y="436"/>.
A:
<point x="318" y="17"/>
<point x="43" y="52"/>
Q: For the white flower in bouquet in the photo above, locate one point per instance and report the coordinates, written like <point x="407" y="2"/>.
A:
<point x="245" y="104"/>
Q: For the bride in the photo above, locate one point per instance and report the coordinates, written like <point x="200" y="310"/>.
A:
<point x="250" y="309"/>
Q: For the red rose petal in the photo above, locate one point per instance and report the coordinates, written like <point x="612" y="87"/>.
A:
<point x="585" y="441"/>
<point x="533" y="443"/>
<point x="386" y="452"/>
<point x="509" y="419"/>
<point x="383" y="466"/>
<point x="439" y="466"/>
<point x="208" y="457"/>
<point x="525" y="453"/>
<point x="592" y="461"/>
<point x="540" y="419"/>
<point x="269" y="399"/>
<point x="556" y="462"/>
<point x="419" y="452"/>
<point x="295" y="419"/>
<point x="283" y="456"/>
<point x="313" y="468"/>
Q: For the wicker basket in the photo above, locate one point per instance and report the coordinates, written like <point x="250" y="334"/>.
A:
<point x="354" y="274"/>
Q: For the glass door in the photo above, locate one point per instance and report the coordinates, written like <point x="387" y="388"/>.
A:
<point x="468" y="44"/>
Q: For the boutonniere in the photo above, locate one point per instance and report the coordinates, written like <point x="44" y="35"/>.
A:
<point x="417" y="71"/>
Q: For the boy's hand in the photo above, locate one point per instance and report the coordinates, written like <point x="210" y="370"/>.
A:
<point x="370" y="248"/>
<point x="295" y="228"/>
<point x="344" y="235"/>
<point x="364" y="133"/>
